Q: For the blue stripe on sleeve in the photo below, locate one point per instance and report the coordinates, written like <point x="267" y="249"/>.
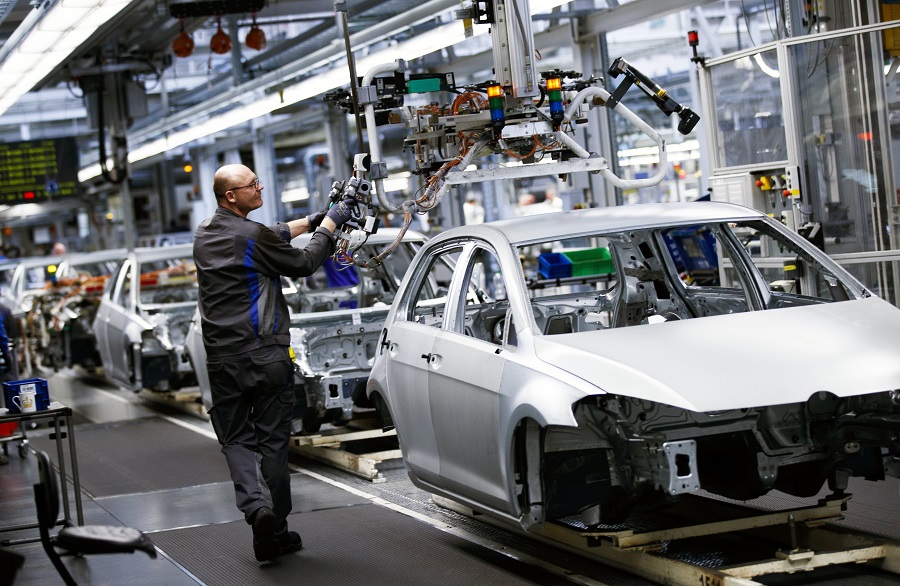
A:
<point x="253" y="284"/>
<point x="276" y="282"/>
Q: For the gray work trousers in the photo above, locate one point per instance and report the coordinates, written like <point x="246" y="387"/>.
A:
<point x="253" y="401"/>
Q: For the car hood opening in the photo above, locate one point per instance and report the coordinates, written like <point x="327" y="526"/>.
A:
<point x="740" y="360"/>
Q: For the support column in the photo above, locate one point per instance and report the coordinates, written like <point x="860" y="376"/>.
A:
<point x="128" y="235"/>
<point x="205" y="204"/>
<point x="713" y="49"/>
<point x="597" y="134"/>
<point x="264" y="165"/>
<point x="237" y="67"/>
<point x="231" y="157"/>
<point x="166" y="207"/>
<point x="336" y="138"/>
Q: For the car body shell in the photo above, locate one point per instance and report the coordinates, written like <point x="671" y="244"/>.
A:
<point x="600" y="418"/>
<point x="143" y="318"/>
<point x="54" y="299"/>
<point x="23" y="278"/>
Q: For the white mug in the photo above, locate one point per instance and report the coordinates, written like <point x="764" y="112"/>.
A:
<point x="26" y="401"/>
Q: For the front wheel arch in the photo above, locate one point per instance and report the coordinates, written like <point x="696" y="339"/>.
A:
<point x="526" y="480"/>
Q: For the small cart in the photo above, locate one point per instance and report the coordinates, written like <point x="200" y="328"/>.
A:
<point x="12" y="432"/>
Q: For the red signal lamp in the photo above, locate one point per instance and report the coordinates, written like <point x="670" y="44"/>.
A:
<point x="693" y="38"/>
<point x="693" y="41"/>
<point x="220" y="42"/>
<point x="183" y="45"/>
<point x="256" y="38"/>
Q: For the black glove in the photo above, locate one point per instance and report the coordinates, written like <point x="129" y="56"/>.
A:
<point x="315" y="219"/>
<point x="340" y="212"/>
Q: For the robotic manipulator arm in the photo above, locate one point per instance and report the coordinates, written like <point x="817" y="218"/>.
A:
<point x="663" y="100"/>
<point x="363" y="220"/>
<point x="508" y="121"/>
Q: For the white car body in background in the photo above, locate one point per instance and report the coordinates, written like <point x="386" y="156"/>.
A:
<point x="143" y="318"/>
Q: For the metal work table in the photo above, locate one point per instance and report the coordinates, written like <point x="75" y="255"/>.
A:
<point x="60" y="417"/>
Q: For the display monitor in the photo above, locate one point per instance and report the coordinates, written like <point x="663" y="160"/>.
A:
<point x="37" y="171"/>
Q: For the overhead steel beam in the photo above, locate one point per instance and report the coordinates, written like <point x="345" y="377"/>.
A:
<point x="626" y="15"/>
<point x="257" y="86"/>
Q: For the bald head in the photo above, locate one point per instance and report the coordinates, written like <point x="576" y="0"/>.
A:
<point x="229" y="176"/>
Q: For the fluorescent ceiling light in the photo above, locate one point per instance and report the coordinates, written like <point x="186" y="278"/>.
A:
<point x="63" y="28"/>
<point x="434" y="40"/>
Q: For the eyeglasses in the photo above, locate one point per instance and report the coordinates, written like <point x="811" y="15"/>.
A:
<point x="254" y="185"/>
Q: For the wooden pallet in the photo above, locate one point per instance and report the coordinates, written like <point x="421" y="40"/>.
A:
<point x="187" y="400"/>
<point x="343" y="447"/>
<point x="812" y="543"/>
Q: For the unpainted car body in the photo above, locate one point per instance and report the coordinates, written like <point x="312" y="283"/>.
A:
<point x="59" y="324"/>
<point x="701" y="346"/>
<point x="143" y="318"/>
<point x="336" y="318"/>
<point x="23" y="278"/>
<point x="53" y="299"/>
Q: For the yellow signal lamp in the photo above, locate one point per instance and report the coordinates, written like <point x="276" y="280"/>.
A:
<point x="495" y="103"/>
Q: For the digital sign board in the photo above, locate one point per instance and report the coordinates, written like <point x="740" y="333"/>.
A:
<point x="36" y="171"/>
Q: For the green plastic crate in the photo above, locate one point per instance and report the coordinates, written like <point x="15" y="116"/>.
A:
<point x="592" y="261"/>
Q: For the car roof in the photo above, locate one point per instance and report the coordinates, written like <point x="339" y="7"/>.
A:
<point x="151" y="253"/>
<point x="81" y="258"/>
<point x="568" y="224"/>
<point x="71" y="258"/>
<point x="32" y="261"/>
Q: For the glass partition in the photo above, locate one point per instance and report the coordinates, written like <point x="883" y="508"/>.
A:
<point x="749" y="122"/>
<point x="846" y="103"/>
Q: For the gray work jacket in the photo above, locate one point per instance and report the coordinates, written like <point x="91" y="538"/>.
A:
<point x="239" y="267"/>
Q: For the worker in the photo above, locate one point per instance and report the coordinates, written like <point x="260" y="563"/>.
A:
<point x="10" y="325"/>
<point x="6" y="366"/>
<point x="244" y="319"/>
<point x="473" y="212"/>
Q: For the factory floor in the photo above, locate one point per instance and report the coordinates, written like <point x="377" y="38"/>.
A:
<point x="159" y="469"/>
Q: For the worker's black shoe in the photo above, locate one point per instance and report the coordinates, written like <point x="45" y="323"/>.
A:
<point x="289" y="541"/>
<point x="265" y="544"/>
<point x="4" y="459"/>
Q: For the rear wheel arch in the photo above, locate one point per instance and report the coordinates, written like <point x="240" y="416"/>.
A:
<point x="382" y="410"/>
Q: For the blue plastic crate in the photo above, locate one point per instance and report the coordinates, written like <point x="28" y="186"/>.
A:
<point x="554" y="265"/>
<point x="12" y="388"/>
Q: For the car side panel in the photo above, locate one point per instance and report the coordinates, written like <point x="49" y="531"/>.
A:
<point x="464" y="380"/>
<point x="116" y="322"/>
<point x="406" y="371"/>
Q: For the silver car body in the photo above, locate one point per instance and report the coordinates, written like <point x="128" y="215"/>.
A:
<point x="334" y="331"/>
<point x="23" y="278"/>
<point x="53" y="299"/>
<point x="541" y="402"/>
<point x="58" y="324"/>
<point x="143" y="318"/>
